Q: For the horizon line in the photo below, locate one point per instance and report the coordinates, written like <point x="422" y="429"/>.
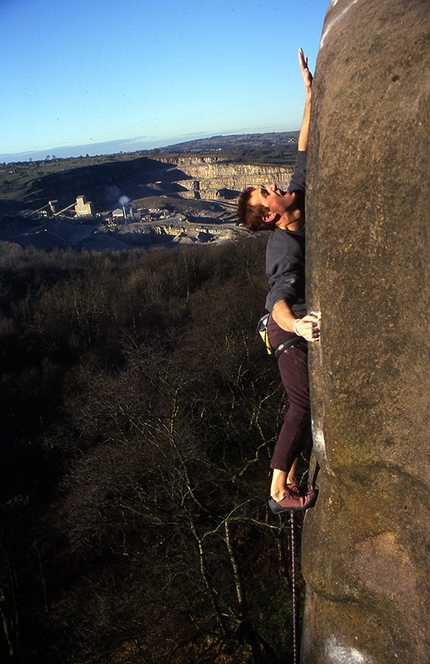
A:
<point x="116" y="146"/>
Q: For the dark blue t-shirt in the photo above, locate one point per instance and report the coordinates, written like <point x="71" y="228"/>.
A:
<point x="285" y="253"/>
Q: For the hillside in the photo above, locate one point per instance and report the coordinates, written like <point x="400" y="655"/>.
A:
<point x="32" y="184"/>
<point x="275" y="147"/>
<point x="138" y="411"/>
<point x="182" y="193"/>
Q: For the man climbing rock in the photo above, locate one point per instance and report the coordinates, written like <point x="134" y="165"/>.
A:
<point x="283" y="214"/>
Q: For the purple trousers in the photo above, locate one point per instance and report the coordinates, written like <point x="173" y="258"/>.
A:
<point x="295" y="433"/>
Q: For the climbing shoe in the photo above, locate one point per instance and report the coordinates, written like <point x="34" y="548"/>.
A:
<point x="293" y="501"/>
<point x="295" y="489"/>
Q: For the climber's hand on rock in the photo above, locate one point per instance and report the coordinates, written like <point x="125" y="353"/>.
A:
<point x="308" y="327"/>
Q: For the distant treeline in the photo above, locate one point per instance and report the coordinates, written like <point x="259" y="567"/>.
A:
<point x="138" y="414"/>
<point x="270" y="148"/>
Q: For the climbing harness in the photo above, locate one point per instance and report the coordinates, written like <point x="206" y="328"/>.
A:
<point x="293" y="587"/>
<point x="263" y="331"/>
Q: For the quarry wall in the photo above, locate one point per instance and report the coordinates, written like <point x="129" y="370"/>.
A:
<point x="210" y="178"/>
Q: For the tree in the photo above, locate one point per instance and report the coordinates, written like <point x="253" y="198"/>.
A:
<point x="138" y="412"/>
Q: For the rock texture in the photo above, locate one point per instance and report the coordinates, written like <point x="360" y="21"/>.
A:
<point x="366" y="543"/>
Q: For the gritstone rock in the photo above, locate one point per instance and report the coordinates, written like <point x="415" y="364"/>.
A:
<point x="366" y="542"/>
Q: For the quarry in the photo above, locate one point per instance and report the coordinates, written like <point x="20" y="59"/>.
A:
<point x="137" y="203"/>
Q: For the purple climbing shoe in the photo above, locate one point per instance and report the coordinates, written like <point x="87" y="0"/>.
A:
<point x="293" y="501"/>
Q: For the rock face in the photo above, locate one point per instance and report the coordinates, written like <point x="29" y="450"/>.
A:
<point x="366" y="543"/>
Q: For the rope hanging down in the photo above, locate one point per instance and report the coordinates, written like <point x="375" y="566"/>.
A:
<point x="293" y="587"/>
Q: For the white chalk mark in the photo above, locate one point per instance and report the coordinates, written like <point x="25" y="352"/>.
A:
<point x="318" y="442"/>
<point x="340" y="654"/>
<point x="338" y="18"/>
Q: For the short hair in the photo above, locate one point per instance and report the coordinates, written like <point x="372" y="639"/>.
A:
<point x="251" y="216"/>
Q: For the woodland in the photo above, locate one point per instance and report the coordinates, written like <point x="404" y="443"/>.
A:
<point x="139" y="410"/>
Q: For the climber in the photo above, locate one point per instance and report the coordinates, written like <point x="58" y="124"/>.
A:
<point x="283" y="214"/>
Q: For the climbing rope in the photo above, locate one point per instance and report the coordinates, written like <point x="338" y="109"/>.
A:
<point x="293" y="587"/>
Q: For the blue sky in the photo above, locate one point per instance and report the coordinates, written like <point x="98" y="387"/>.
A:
<point x="147" y="73"/>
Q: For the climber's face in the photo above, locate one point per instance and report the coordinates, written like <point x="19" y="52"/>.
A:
<point x="276" y="200"/>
